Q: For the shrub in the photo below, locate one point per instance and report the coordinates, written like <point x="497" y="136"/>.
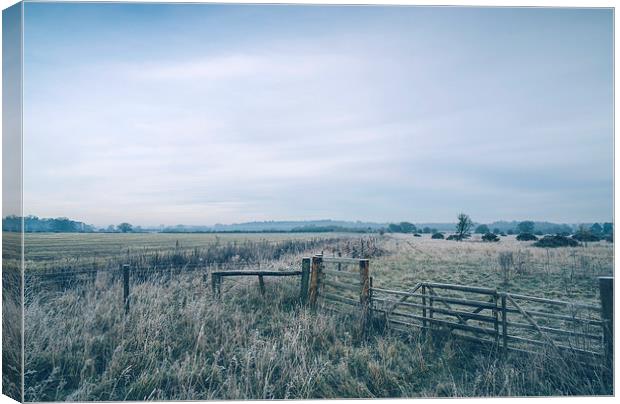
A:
<point x="526" y="237"/>
<point x="586" y="236"/>
<point x="556" y="241"/>
<point x="490" y="237"/>
<point x="457" y="237"/>
<point x="417" y="235"/>
<point x="438" y="236"/>
<point x="502" y="234"/>
<point x="610" y="238"/>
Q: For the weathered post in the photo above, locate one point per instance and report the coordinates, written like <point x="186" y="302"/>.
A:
<point x="496" y="318"/>
<point x="261" y="283"/>
<point x="606" y="287"/>
<point x="504" y="325"/>
<point x="315" y="276"/>
<point x="305" y="278"/>
<point x="424" y="306"/>
<point x="364" y="268"/>
<point x="126" y="287"/>
<point x="215" y="284"/>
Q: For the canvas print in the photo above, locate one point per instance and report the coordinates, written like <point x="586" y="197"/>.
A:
<point x="280" y="201"/>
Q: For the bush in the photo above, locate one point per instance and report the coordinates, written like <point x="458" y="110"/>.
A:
<point x="438" y="236"/>
<point x="490" y="237"/>
<point x="586" y="237"/>
<point x="457" y="237"/>
<point x="502" y="234"/>
<point x="417" y="235"/>
<point x="526" y="237"/>
<point x="610" y="238"/>
<point x="556" y="241"/>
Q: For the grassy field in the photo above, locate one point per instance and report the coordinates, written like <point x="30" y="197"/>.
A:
<point x="180" y="342"/>
<point x="559" y="273"/>
<point x="75" y="250"/>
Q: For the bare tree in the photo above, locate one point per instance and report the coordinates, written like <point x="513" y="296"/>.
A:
<point x="463" y="226"/>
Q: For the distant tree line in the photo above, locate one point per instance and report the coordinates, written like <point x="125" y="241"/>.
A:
<point x="406" y="227"/>
<point x="36" y="224"/>
<point x="525" y="230"/>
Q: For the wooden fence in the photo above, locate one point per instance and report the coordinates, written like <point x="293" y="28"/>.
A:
<point x="507" y="321"/>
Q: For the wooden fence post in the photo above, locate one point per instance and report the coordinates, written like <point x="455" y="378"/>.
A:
<point x="496" y="319"/>
<point x="215" y="284"/>
<point x="424" y="306"/>
<point x="315" y="278"/>
<point x="305" y="278"/>
<point x="126" y="287"/>
<point x="504" y="326"/>
<point x="364" y="267"/>
<point x="261" y="283"/>
<point x="606" y="288"/>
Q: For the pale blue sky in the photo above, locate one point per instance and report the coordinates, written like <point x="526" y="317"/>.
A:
<point x="200" y="114"/>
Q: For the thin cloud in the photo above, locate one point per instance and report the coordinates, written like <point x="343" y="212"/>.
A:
<point x="412" y="116"/>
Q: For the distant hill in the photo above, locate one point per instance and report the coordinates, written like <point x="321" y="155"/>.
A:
<point x="63" y="224"/>
<point x="282" y="226"/>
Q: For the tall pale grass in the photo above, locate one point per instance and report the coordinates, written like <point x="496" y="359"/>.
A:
<point x="180" y="342"/>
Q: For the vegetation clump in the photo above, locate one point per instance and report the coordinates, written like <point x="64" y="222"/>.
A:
<point x="586" y="237"/>
<point x="402" y="227"/>
<point x="526" y="237"/>
<point x="490" y="238"/>
<point x="482" y="229"/>
<point x="556" y="241"/>
<point x="438" y="236"/>
<point x="417" y="235"/>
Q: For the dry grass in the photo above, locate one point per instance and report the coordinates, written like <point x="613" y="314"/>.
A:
<point x="86" y="250"/>
<point x="561" y="273"/>
<point x="180" y="342"/>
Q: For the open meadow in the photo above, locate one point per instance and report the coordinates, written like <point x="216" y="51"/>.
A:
<point x="556" y="273"/>
<point x="181" y="341"/>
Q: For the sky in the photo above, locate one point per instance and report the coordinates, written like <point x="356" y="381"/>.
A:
<point x="202" y="114"/>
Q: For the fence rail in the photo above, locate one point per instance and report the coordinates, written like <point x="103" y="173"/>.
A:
<point x="509" y="321"/>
